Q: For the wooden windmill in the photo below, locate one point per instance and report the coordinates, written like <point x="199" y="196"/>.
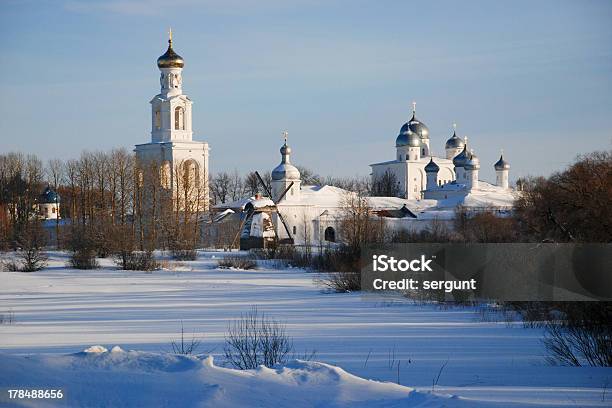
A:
<point x="256" y="214"/>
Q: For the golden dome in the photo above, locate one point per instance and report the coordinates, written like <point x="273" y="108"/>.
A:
<point x="170" y="59"/>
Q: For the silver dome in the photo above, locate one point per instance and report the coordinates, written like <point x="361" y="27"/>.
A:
<point x="407" y="138"/>
<point x="472" y="163"/>
<point x="501" y="164"/>
<point x="285" y="170"/>
<point x="454" y="142"/>
<point x="416" y="126"/>
<point x="432" y="167"/>
<point x="460" y="159"/>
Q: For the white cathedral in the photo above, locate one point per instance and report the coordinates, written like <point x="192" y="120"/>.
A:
<point x="421" y="175"/>
<point x="172" y="146"/>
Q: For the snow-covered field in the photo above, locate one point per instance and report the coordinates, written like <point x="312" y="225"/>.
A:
<point x="59" y="312"/>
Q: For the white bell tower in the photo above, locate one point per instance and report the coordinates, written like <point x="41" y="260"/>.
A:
<point x="172" y="146"/>
<point x="170" y="109"/>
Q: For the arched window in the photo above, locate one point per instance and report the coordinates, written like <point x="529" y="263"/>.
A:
<point x="294" y="230"/>
<point x="164" y="175"/>
<point x="423" y="152"/>
<point x="330" y="234"/>
<point x="179" y="118"/>
<point x="191" y="174"/>
<point x="157" y="120"/>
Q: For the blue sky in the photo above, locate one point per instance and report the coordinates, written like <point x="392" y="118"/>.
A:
<point x="531" y="77"/>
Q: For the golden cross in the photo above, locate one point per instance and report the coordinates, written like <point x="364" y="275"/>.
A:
<point x="285" y="135"/>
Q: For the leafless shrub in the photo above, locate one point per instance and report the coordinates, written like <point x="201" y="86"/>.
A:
<point x="83" y="259"/>
<point x="83" y="248"/>
<point x="184" y="254"/>
<point x="435" y="380"/>
<point x="184" y="346"/>
<point x="341" y="282"/>
<point x="582" y="336"/>
<point x="7" y="317"/>
<point x="31" y="242"/>
<point x="307" y="355"/>
<point x="10" y="266"/>
<point x="237" y="262"/>
<point x="255" y="340"/>
<point x="137" y="261"/>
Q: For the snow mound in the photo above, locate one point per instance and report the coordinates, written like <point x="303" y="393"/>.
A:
<point x="95" y="349"/>
<point x="96" y="377"/>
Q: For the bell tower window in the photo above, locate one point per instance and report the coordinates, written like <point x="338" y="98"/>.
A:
<point x="179" y="118"/>
<point x="157" y="120"/>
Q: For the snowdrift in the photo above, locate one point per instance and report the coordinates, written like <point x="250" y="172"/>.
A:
<point x="97" y="377"/>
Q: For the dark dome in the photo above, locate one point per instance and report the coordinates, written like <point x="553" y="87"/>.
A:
<point x="432" y="167"/>
<point x="454" y="142"/>
<point x="49" y="196"/>
<point x="461" y="158"/>
<point x="501" y="164"/>
<point x="170" y="59"/>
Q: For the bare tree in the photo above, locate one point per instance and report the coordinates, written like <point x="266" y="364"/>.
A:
<point x="572" y="205"/>
<point x="236" y="186"/>
<point x="221" y="187"/>
<point x="254" y="340"/>
<point x="309" y="177"/>
<point x="55" y="174"/>
<point x="385" y="185"/>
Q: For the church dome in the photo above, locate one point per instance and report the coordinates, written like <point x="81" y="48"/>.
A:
<point x="501" y="164"/>
<point x="472" y="163"/>
<point x="49" y="196"/>
<point x="454" y="142"/>
<point x="285" y="170"/>
<point x="418" y="127"/>
<point x="170" y="59"/>
<point x="461" y="158"/>
<point x="432" y="167"/>
<point x="415" y="126"/>
<point x="407" y="138"/>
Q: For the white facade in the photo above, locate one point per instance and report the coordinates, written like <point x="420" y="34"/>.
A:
<point x="452" y="176"/>
<point x="172" y="147"/>
<point x="48" y="211"/>
<point x="313" y="214"/>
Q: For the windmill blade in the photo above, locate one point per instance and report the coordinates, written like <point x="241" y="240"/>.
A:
<point x="280" y="216"/>
<point x="284" y="192"/>
<point x="264" y="185"/>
